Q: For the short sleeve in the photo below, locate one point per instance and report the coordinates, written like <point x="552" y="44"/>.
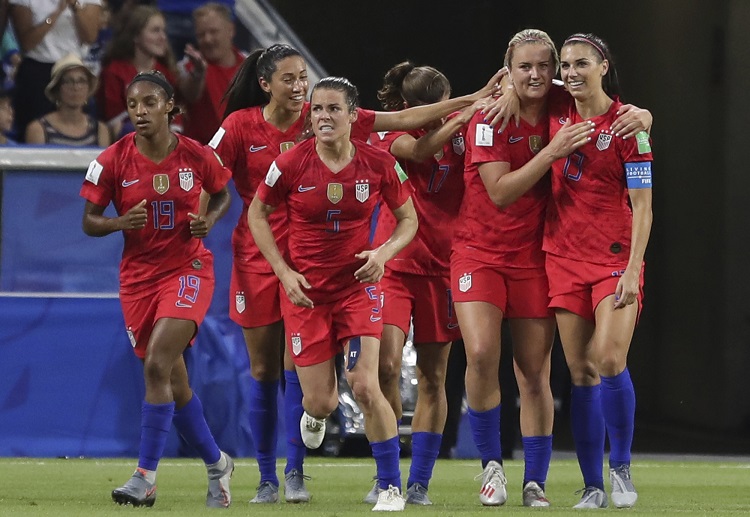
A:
<point x="273" y="190"/>
<point x="486" y="144"/>
<point x="217" y="176"/>
<point x="396" y="188"/>
<point x="364" y="124"/>
<point x="226" y="143"/>
<point x="99" y="183"/>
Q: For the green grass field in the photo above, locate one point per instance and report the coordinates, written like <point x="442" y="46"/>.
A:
<point x="82" y="487"/>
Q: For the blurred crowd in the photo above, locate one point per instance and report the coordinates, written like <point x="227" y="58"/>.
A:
<point x="66" y="65"/>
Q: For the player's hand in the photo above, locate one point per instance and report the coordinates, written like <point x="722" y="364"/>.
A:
<point x="493" y="85"/>
<point x="631" y="120"/>
<point x="373" y="269"/>
<point x="136" y="217"/>
<point x="503" y="109"/>
<point x="197" y="59"/>
<point x="294" y="283"/>
<point x="467" y="113"/>
<point x="199" y="226"/>
<point x="569" y="138"/>
<point x="627" y="289"/>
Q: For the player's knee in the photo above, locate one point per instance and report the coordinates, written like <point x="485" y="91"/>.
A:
<point x="389" y="370"/>
<point x="431" y="385"/>
<point x="319" y="404"/>
<point x="363" y="388"/>
<point x="583" y="372"/>
<point x="155" y="371"/>
<point x="262" y="371"/>
<point x="611" y="364"/>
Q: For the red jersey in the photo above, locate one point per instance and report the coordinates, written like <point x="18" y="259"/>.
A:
<point x="113" y="84"/>
<point x="205" y="114"/>
<point x="438" y="189"/>
<point x="511" y="236"/>
<point x="590" y="218"/>
<point x="123" y="176"/>
<point x="248" y="145"/>
<point x="329" y="214"/>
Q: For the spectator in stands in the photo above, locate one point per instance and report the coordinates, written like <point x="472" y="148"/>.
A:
<point x="10" y="53"/>
<point x="70" y="88"/>
<point x="6" y="117"/>
<point x="206" y="71"/>
<point x="139" y="45"/>
<point x="47" y="31"/>
<point x="180" y="21"/>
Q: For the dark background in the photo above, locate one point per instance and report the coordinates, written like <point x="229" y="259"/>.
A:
<point x="686" y="61"/>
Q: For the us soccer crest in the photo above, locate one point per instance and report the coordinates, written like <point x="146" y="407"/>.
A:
<point x="161" y="183"/>
<point x="464" y="283"/>
<point x="603" y="141"/>
<point x="459" y="146"/>
<point x="535" y="143"/>
<point x="285" y="146"/>
<point x="362" y="191"/>
<point x="296" y="343"/>
<point x="186" y="179"/>
<point x="336" y="192"/>
<point x="239" y="302"/>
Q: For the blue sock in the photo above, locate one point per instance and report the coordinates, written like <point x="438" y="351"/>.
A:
<point x="295" y="448"/>
<point x="485" y="428"/>
<point x="386" y="462"/>
<point x="191" y="424"/>
<point x="618" y="407"/>
<point x="587" y="423"/>
<point x="424" y="451"/>
<point x="156" y="419"/>
<point x="263" y="416"/>
<point x="537" y="453"/>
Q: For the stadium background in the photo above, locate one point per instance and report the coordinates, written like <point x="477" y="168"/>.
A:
<point x="67" y="379"/>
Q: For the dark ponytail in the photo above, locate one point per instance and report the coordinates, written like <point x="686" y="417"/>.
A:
<point x="412" y="84"/>
<point x="244" y="91"/>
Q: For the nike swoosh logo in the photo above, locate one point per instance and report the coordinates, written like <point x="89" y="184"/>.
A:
<point x="180" y="303"/>
<point x="304" y="189"/>
<point x="375" y="319"/>
<point x="562" y="120"/>
<point x="126" y="183"/>
<point x="452" y="326"/>
<point x="515" y="139"/>
<point x="254" y="149"/>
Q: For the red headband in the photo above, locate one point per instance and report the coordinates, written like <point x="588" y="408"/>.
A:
<point x="586" y="40"/>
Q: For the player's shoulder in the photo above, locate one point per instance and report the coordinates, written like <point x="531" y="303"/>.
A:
<point x="117" y="151"/>
<point x="373" y="153"/>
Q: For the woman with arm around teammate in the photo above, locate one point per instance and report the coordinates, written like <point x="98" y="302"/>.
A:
<point x="265" y="117"/>
<point x="416" y="284"/>
<point x="154" y="179"/>
<point x="596" y="233"/>
<point x="330" y="186"/>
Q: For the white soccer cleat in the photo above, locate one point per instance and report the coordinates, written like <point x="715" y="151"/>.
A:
<point x="623" y="492"/>
<point x="313" y="430"/>
<point x="533" y="496"/>
<point x="390" y="501"/>
<point x="493" y="492"/>
<point x="592" y="498"/>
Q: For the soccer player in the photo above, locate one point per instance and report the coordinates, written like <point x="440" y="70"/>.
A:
<point x="596" y="233"/>
<point x="154" y="179"/>
<point x="265" y="116"/>
<point x="497" y="270"/>
<point x="417" y="282"/>
<point x="330" y="186"/>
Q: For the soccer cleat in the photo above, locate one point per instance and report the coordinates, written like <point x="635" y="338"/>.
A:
<point x="623" y="491"/>
<point x="372" y="495"/>
<point x="417" y="494"/>
<point x="592" y="498"/>
<point x="137" y="491"/>
<point x="493" y="492"/>
<point x="533" y="496"/>
<point x="268" y="493"/>
<point x="390" y="501"/>
<point x="313" y="430"/>
<point x="294" y="487"/>
<point x="218" y="495"/>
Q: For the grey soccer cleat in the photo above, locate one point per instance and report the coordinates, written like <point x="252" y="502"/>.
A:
<point x="592" y="498"/>
<point x="268" y="493"/>
<point x="372" y="495"/>
<point x="218" y="495"/>
<point x="533" y="495"/>
<point x="294" y="487"/>
<point x="137" y="491"/>
<point x="493" y="492"/>
<point x="623" y="491"/>
<point x="417" y="494"/>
